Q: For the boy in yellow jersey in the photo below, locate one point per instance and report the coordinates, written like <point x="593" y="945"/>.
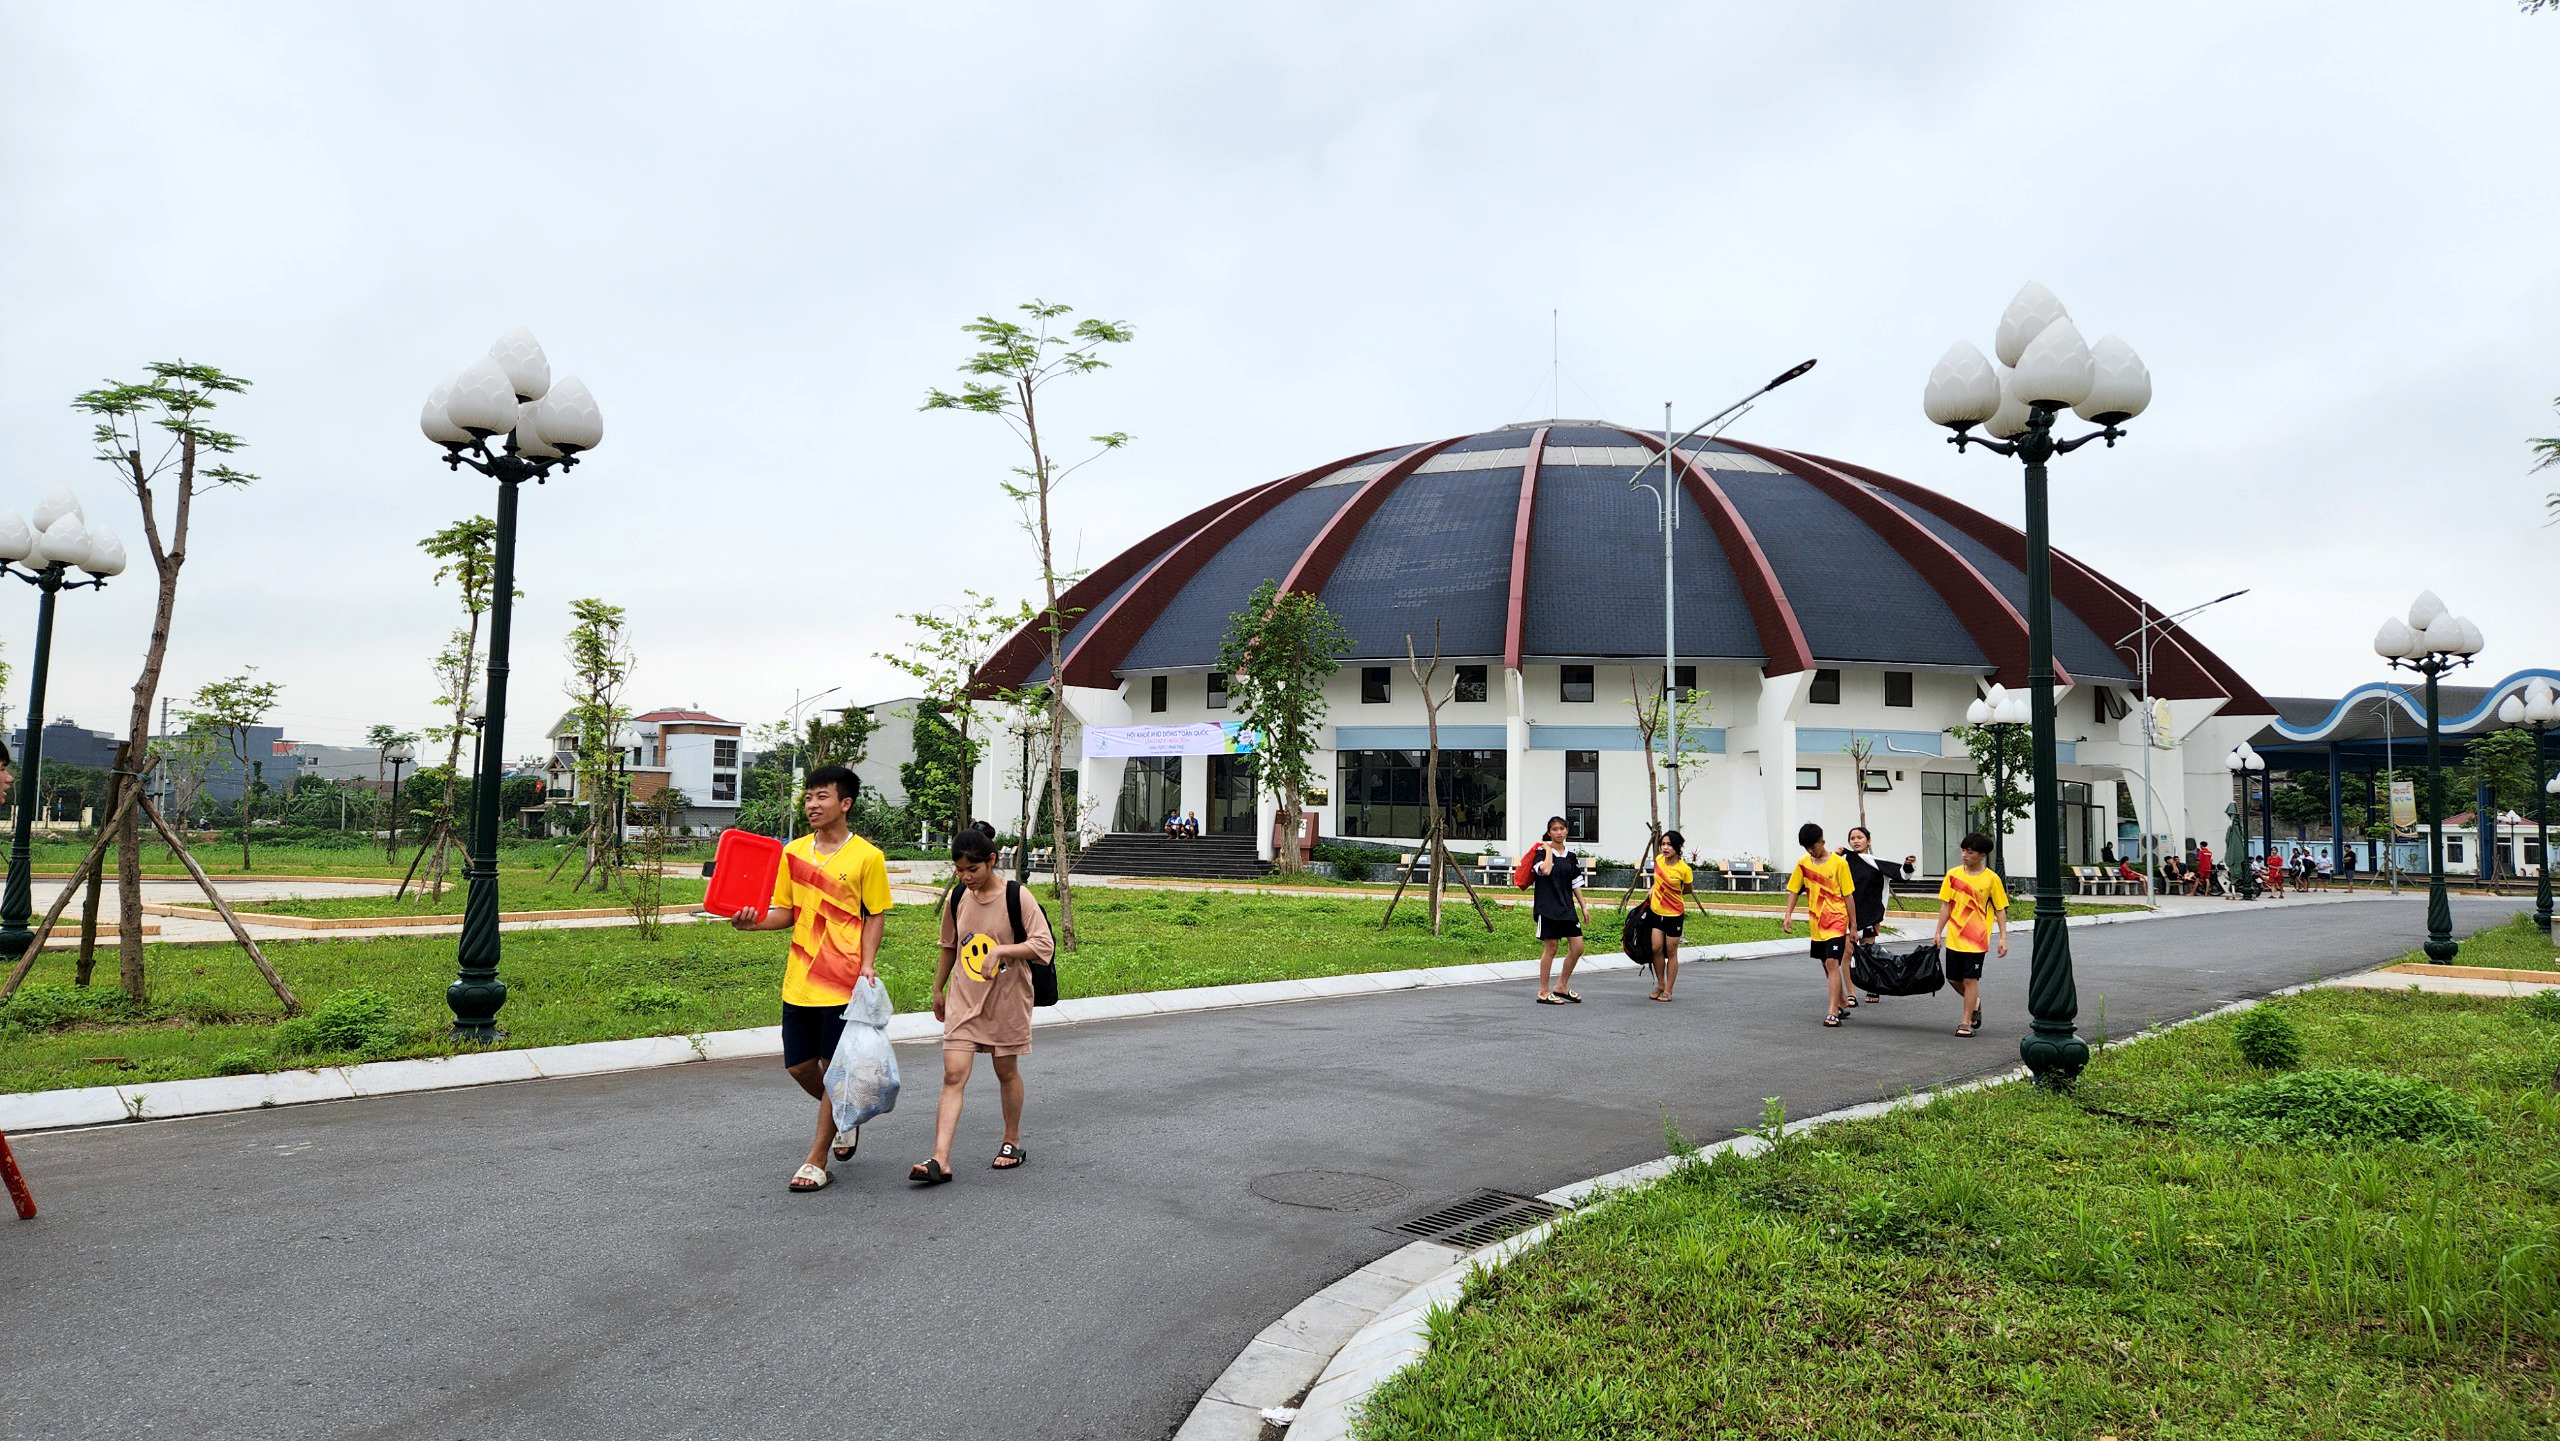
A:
<point x="831" y="891"/>
<point x="1971" y="904"/>
<point x="1821" y="881"/>
<point x="1669" y="912"/>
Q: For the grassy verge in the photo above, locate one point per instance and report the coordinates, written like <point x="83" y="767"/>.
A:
<point x="210" y="1015"/>
<point x="2013" y="1263"/>
<point x="222" y="858"/>
<point x="525" y="891"/>
<point x="2518" y="945"/>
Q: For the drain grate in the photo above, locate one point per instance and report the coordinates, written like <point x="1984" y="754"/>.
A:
<point x="1328" y="1190"/>
<point x="1478" y="1220"/>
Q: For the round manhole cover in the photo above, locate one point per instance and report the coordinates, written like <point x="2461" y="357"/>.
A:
<point x="1328" y="1190"/>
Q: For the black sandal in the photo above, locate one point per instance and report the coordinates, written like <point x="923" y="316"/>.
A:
<point x="1009" y="1157"/>
<point x="1550" y="1001"/>
<point x="1831" y="1018"/>
<point x="928" y="1172"/>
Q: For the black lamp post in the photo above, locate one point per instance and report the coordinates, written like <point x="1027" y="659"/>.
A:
<point x="506" y="418"/>
<point x="399" y="755"/>
<point x="2434" y="642"/>
<point x="2539" y="708"/>
<point x="2250" y="768"/>
<point x="43" y="555"/>
<point x="2108" y="385"/>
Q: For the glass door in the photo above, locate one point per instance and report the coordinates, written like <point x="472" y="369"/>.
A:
<point x="1149" y="789"/>
<point x="1231" y="793"/>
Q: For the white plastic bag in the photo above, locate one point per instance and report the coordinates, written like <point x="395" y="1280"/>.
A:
<point x="862" y="1078"/>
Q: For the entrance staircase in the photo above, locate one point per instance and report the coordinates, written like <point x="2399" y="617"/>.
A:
<point x="1143" y="853"/>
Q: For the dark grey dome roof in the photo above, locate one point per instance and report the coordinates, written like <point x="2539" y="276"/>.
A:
<point x="1525" y="544"/>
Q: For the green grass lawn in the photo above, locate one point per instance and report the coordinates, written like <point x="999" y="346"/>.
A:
<point x="2014" y="1263"/>
<point x="2518" y="945"/>
<point x="221" y="857"/>
<point x="525" y="890"/>
<point x="211" y="1014"/>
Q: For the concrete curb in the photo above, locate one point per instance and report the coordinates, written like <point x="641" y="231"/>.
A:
<point x="31" y="1111"/>
<point x="1327" y="1348"/>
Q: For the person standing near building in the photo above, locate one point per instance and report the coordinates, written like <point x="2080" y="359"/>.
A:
<point x="1668" y="909"/>
<point x="831" y="892"/>
<point x="1555" y="898"/>
<point x="982" y="994"/>
<point x="1821" y="882"/>
<point x="1871" y="879"/>
<point x="1971" y="903"/>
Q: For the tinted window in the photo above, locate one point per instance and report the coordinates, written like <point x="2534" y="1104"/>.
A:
<point x="1471" y="683"/>
<point x="1573" y="682"/>
<point x="1897" y="687"/>
<point x="1156" y="686"/>
<point x="1374" y="680"/>
<point x="1217" y="690"/>
<point x="1826" y="688"/>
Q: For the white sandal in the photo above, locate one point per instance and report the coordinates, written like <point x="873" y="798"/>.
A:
<point x="816" y="1176"/>
<point x="846" y="1143"/>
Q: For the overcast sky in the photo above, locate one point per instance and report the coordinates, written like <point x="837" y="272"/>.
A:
<point x="755" y="230"/>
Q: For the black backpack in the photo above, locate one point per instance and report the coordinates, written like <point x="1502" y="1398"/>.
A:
<point x="1044" y="978"/>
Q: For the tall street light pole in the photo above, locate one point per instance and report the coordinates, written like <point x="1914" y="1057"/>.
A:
<point x="2433" y="642"/>
<point x="43" y="555"/>
<point x="2045" y="367"/>
<point x="2539" y="708"/>
<point x="790" y="807"/>
<point x="506" y="418"/>
<point x="2151" y="728"/>
<point x="1667" y="498"/>
<point x="2244" y="763"/>
<point x="399" y="755"/>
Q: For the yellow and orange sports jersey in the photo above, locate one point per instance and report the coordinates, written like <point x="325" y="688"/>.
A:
<point x="1670" y="882"/>
<point x="1825" y="886"/>
<point x="830" y="894"/>
<point x="1977" y="899"/>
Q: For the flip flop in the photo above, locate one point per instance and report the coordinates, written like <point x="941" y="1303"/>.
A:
<point x="844" y="1149"/>
<point x="928" y="1172"/>
<point x="1550" y="1001"/>
<point x="1964" y="1030"/>
<point x="1009" y="1157"/>
<point x="814" y="1177"/>
<point x="1831" y="1018"/>
<point x="1570" y="998"/>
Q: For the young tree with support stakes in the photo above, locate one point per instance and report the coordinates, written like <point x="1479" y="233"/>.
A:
<point x="1435" y="840"/>
<point x="466" y="553"/>
<point x="156" y="436"/>
<point x="1666" y="719"/>
<point x="1016" y="362"/>
<point x="1278" y="653"/>
<point x="229" y="708"/>
<point x="599" y="664"/>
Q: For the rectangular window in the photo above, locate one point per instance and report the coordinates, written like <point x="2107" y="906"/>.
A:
<point x="1156" y="688"/>
<point x="1808" y="778"/>
<point x="2453" y="850"/>
<point x="1582" y="796"/>
<point x="1573" y="683"/>
<point x="1684" y="681"/>
<point x="1951" y="803"/>
<point x="1375" y="681"/>
<point x="1471" y="683"/>
<point x="724" y="754"/>
<point x="1217" y="690"/>
<point x="724" y="787"/>
<point x="1380" y="794"/>
<point x="1879" y="781"/>
<point x="1897" y="688"/>
<point x="1826" y="688"/>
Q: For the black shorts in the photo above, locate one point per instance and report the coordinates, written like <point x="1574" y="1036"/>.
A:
<point x="1963" y="965"/>
<point x="810" y="1033"/>
<point x="1668" y="925"/>
<point x="1830" y="950"/>
<point x="1550" y="929"/>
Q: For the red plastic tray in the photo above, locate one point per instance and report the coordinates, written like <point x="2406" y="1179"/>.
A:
<point x="742" y="872"/>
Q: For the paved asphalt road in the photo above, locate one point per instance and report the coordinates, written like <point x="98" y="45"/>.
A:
<point x="615" y="1256"/>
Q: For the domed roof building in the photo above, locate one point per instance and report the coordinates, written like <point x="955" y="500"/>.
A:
<point x="1825" y="607"/>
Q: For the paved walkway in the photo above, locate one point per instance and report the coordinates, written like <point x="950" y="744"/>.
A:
<point x="615" y="1257"/>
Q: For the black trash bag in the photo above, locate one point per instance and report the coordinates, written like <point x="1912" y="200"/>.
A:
<point x="1908" y="970"/>
<point x="1635" y="937"/>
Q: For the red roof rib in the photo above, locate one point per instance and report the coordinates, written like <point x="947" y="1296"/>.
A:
<point x="2182" y="668"/>
<point x="1986" y="614"/>
<point x="1516" y="617"/>
<point x="1096" y="658"/>
<point x="1323" y="553"/>
<point x="1781" y="636"/>
<point x="1022" y="652"/>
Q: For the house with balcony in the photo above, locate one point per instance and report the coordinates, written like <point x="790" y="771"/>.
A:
<point x="685" y="749"/>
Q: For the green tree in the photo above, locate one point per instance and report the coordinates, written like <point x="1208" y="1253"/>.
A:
<point x="943" y="661"/>
<point x="2302" y="799"/>
<point x="599" y="665"/>
<point x="186" y="762"/>
<point x="466" y="553"/>
<point x="229" y="708"/>
<point x="2001" y="756"/>
<point x="2504" y="759"/>
<point x="1006" y="374"/>
<point x="936" y="781"/>
<point x="1279" y="651"/>
<point x="156" y="436"/>
<point x="2546" y="448"/>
